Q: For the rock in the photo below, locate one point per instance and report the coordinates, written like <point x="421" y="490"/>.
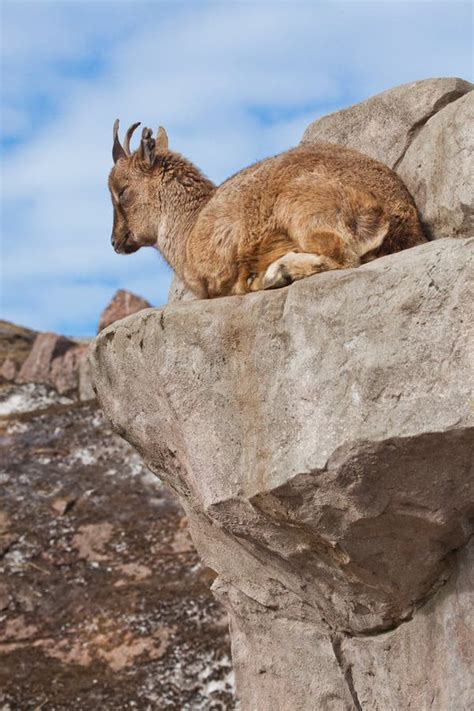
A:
<point x="320" y="439"/>
<point x="4" y="597"/>
<point x="123" y="304"/>
<point x="179" y="292"/>
<point x="64" y="372"/>
<point x="384" y="126"/>
<point x="59" y="362"/>
<point x="9" y="369"/>
<point x="37" y="366"/>
<point x="433" y="654"/>
<point x="424" y="131"/>
<point x="438" y="170"/>
<point x="63" y="504"/>
<point x="85" y="387"/>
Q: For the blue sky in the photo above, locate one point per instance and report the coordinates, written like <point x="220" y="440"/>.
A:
<point x="232" y="82"/>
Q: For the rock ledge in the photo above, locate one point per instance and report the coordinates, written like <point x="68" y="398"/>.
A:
<point x="320" y="439"/>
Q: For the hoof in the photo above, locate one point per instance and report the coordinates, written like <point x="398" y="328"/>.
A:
<point x="277" y="276"/>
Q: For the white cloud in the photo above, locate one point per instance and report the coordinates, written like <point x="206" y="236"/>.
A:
<point x="232" y="82"/>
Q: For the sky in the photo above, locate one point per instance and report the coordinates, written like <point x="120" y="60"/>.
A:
<point x="232" y="82"/>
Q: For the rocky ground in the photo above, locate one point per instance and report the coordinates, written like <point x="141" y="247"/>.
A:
<point x="103" y="601"/>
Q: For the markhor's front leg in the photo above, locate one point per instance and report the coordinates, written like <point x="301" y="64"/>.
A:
<point x="294" y="266"/>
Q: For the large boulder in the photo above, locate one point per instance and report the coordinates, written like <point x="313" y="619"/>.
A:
<point x="320" y="439"/>
<point x="384" y="126"/>
<point x="438" y="168"/>
<point x="425" y="131"/>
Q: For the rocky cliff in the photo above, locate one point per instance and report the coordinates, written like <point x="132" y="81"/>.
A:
<point x="320" y="438"/>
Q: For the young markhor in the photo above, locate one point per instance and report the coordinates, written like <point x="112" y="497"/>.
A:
<point x="308" y="210"/>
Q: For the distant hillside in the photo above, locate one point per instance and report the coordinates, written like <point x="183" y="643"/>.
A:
<point x="15" y="342"/>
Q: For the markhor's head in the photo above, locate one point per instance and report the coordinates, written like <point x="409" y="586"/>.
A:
<point x="134" y="190"/>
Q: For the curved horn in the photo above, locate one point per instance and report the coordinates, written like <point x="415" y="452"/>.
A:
<point x="128" y="135"/>
<point x="117" y="150"/>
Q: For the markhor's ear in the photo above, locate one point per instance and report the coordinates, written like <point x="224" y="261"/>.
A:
<point x="161" y="141"/>
<point x="147" y="147"/>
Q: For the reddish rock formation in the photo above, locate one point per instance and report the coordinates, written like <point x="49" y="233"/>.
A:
<point x="37" y="367"/>
<point x="64" y="373"/>
<point x="9" y="369"/>
<point x="55" y="360"/>
<point x="124" y="303"/>
<point x="48" y="358"/>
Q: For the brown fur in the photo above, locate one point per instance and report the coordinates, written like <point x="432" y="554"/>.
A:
<point x="263" y="226"/>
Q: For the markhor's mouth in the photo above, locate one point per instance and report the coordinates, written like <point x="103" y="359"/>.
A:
<point x="129" y="248"/>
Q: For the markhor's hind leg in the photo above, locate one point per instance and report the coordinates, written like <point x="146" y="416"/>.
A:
<point x="296" y="265"/>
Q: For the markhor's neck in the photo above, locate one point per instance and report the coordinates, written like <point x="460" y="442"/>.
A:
<point x="183" y="194"/>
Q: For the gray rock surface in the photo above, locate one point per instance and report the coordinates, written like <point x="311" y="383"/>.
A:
<point x="384" y="126"/>
<point x="431" y="659"/>
<point x="320" y="439"/>
<point x="438" y="169"/>
<point x="425" y="131"/>
<point x="179" y="292"/>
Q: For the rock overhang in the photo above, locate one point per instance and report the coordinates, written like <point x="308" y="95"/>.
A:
<point x="328" y="424"/>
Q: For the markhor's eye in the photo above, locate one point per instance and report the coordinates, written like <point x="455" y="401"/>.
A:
<point x="123" y="191"/>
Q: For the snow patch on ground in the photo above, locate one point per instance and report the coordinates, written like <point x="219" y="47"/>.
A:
<point x="85" y="456"/>
<point x="217" y="676"/>
<point x="16" y="427"/>
<point x="29" y="397"/>
<point x="225" y="683"/>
